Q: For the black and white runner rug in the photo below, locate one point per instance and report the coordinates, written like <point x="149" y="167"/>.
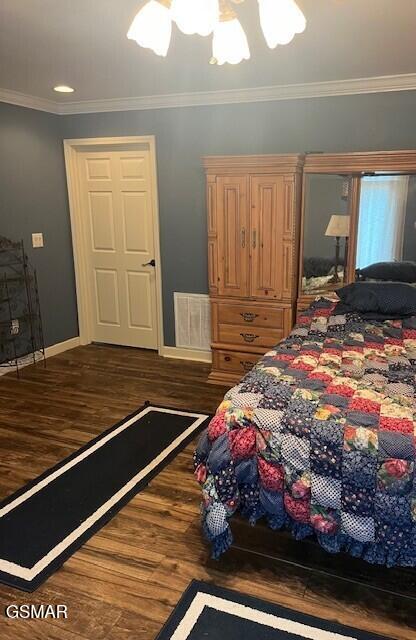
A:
<point x="42" y="524"/>
<point x="207" y="611"/>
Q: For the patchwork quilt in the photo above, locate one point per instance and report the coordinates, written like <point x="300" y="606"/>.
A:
<point x="320" y="438"/>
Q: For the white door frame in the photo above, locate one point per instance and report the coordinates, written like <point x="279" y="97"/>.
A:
<point x="72" y="148"/>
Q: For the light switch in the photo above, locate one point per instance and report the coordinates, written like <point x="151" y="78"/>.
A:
<point x="37" y="240"/>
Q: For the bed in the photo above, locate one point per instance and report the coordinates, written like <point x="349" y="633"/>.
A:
<point x="319" y="438"/>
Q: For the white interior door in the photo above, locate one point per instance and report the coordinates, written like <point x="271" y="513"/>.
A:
<point x="117" y="220"/>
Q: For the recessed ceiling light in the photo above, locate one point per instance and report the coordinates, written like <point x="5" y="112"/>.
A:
<point x="63" y="88"/>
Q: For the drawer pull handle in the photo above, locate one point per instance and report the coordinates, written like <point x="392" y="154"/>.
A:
<point x="249" y="337"/>
<point x="249" y="317"/>
<point x="227" y="358"/>
<point x="246" y="364"/>
<point x="243" y="238"/>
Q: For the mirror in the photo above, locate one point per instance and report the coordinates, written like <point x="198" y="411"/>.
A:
<point x="326" y="228"/>
<point x="387" y="219"/>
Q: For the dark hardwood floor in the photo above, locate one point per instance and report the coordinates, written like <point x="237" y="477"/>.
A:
<point x="125" y="581"/>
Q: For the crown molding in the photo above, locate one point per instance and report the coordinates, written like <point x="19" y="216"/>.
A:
<point x="282" y="163"/>
<point x="30" y="102"/>
<point x="356" y="86"/>
<point x="361" y="162"/>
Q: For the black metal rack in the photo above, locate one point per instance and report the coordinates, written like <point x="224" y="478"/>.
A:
<point x="21" y="332"/>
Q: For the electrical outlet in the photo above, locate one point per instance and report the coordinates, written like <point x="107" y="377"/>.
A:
<point x="37" y="240"/>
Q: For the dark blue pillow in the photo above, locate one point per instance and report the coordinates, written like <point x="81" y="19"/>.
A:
<point x="389" y="298"/>
<point x="404" y="271"/>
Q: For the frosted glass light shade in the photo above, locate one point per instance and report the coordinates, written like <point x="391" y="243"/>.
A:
<point x="195" y="16"/>
<point x="229" y="43"/>
<point x="152" y="27"/>
<point x="280" y="20"/>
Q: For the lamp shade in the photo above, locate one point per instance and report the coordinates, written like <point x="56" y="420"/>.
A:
<point x="338" y="226"/>
<point x="229" y="43"/>
<point x="195" y="16"/>
<point x="280" y="20"/>
<point x="152" y="26"/>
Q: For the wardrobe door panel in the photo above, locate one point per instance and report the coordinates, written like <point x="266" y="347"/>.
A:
<point x="266" y="227"/>
<point x="212" y="236"/>
<point x="287" y="270"/>
<point x="232" y="194"/>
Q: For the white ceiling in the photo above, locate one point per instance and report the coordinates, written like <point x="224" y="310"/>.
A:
<point x="83" y="43"/>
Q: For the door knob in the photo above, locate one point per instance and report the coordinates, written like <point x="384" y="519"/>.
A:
<point x="152" y="263"/>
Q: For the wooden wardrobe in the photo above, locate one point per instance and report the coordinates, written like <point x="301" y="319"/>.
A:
<point x="254" y="205"/>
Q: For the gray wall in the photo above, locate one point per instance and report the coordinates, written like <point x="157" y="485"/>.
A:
<point x="349" y="123"/>
<point x="409" y="244"/>
<point x="33" y="198"/>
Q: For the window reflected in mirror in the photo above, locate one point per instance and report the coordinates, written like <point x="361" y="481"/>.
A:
<point x="387" y="220"/>
<point x="325" y="232"/>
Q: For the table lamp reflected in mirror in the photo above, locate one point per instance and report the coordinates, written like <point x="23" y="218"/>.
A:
<point x="338" y="227"/>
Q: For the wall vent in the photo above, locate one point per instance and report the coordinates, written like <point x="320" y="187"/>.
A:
<point x="192" y="321"/>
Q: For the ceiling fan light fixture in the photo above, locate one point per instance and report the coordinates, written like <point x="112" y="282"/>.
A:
<point x="152" y="26"/>
<point x="195" y="16"/>
<point x="280" y="20"/>
<point x="229" y="43"/>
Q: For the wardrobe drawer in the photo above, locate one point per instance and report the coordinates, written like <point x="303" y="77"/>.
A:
<point x="235" y="361"/>
<point x="252" y="316"/>
<point x="249" y="336"/>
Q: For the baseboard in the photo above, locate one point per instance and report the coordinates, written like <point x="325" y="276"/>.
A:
<point x="55" y="349"/>
<point x="186" y="354"/>
<point x="195" y="355"/>
<point x="51" y="351"/>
